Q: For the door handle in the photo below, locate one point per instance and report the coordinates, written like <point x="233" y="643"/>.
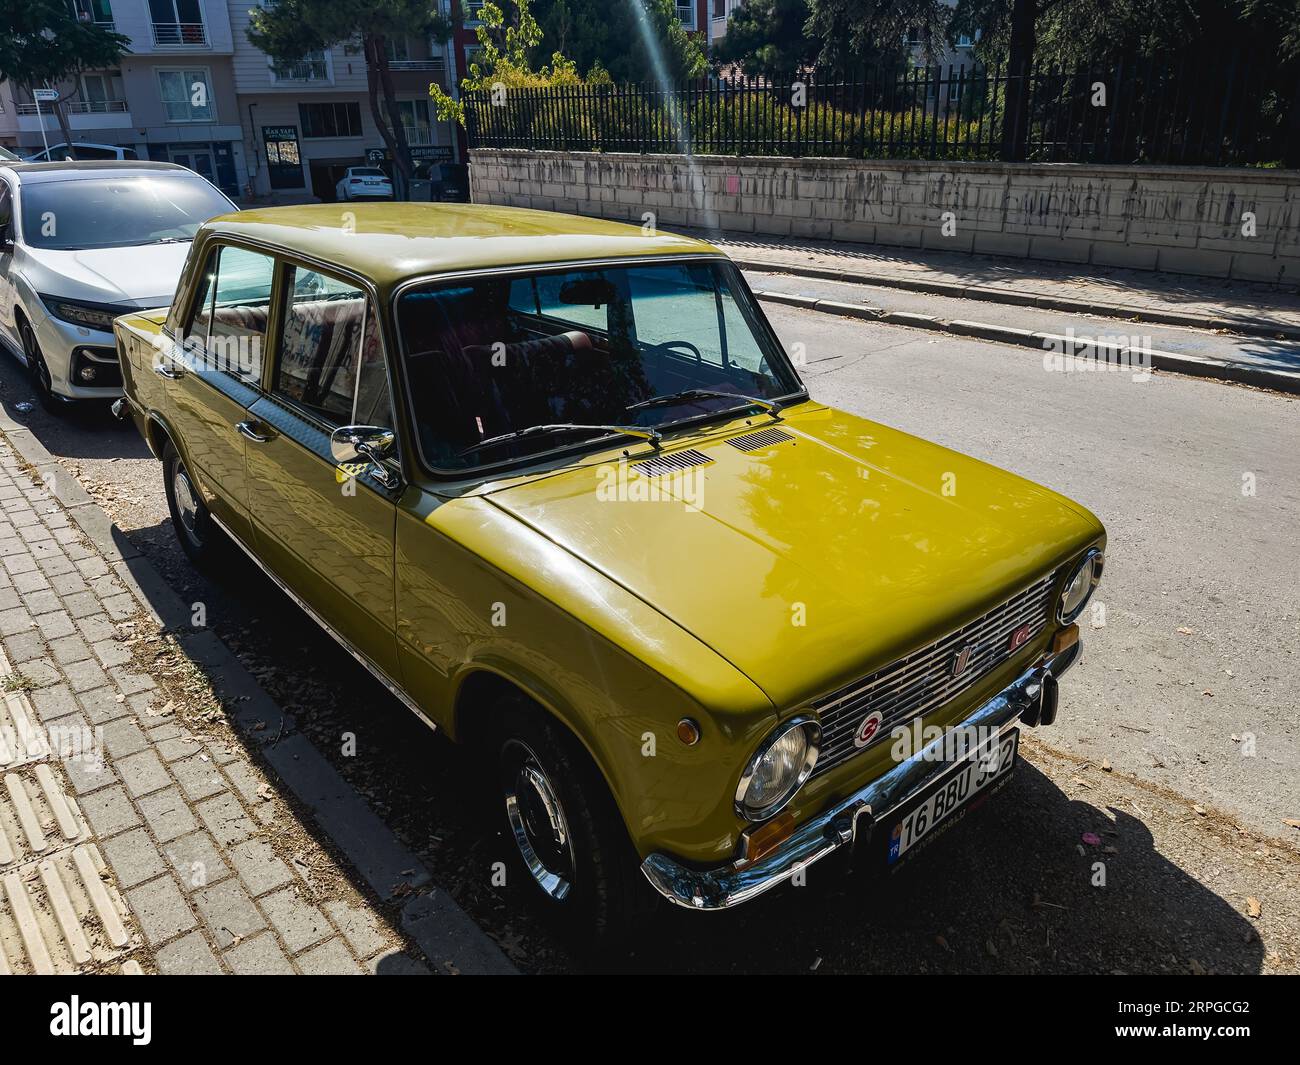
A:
<point x="249" y="430"/>
<point x="169" y="372"/>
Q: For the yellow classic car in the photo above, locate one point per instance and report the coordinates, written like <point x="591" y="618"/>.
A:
<point x="556" y="483"/>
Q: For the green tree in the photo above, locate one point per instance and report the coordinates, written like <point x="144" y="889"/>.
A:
<point x="42" y="43"/>
<point x="766" y="39"/>
<point x="287" y="30"/>
<point x="596" y="34"/>
<point x="852" y="33"/>
<point x="503" y="58"/>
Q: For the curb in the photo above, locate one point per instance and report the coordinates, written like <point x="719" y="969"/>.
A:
<point x="449" y="938"/>
<point x="1286" y="381"/>
<point x="988" y="294"/>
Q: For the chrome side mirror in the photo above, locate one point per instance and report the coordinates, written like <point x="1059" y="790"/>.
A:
<point x="350" y="443"/>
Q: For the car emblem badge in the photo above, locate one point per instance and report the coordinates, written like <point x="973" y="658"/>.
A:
<point x="1018" y="638"/>
<point x="961" y="660"/>
<point x="868" y="729"/>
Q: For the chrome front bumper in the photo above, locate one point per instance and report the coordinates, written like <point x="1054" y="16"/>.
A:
<point x="1028" y="698"/>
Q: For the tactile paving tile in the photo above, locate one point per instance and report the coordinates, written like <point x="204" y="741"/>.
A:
<point x="61" y="914"/>
<point x="37" y="817"/>
<point x="21" y="737"/>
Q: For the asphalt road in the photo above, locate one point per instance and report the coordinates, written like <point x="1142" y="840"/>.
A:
<point x="1127" y="787"/>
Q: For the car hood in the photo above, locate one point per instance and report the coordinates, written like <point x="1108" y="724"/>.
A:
<point x="813" y="561"/>
<point x="140" y="278"/>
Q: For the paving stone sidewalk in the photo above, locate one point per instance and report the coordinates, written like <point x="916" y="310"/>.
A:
<point x="1174" y="298"/>
<point x="137" y="831"/>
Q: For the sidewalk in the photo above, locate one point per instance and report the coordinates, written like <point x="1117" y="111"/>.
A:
<point x="139" y="831"/>
<point x="1136" y="295"/>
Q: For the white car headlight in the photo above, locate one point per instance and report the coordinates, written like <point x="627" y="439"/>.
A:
<point x="778" y="769"/>
<point x="1079" y="587"/>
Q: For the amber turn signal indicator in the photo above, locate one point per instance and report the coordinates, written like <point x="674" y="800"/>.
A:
<point x="688" y="732"/>
<point x="1067" y="637"/>
<point x="766" y="838"/>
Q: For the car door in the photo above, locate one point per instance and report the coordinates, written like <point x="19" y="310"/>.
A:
<point x="7" y="292"/>
<point x="218" y="380"/>
<point x="327" y="533"/>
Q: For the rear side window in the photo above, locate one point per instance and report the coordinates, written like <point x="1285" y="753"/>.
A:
<point x="331" y="359"/>
<point x="231" y="311"/>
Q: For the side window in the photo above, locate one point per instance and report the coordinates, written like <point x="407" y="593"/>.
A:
<point x="331" y="357"/>
<point x="231" y="310"/>
<point x="6" y="205"/>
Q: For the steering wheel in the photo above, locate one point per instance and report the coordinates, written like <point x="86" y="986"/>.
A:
<point x="670" y="345"/>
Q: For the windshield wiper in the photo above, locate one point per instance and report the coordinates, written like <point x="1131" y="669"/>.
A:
<point x="172" y="240"/>
<point x="535" y="430"/>
<point x="688" y="394"/>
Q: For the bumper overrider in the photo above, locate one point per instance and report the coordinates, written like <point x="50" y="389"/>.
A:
<point x="1031" y="698"/>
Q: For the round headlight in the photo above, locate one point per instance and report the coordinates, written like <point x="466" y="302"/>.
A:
<point x="778" y="768"/>
<point x="1079" y="587"/>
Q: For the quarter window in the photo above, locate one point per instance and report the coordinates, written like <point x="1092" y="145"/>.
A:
<point x="230" y="312"/>
<point x="331" y="359"/>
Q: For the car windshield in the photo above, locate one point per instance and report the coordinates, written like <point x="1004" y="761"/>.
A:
<point x="117" y="212"/>
<point x="493" y="356"/>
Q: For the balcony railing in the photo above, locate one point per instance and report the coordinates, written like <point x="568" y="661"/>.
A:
<point x="304" y="70"/>
<point x="419" y="135"/>
<point x="179" y="33"/>
<point x="77" y="107"/>
<point x="436" y="63"/>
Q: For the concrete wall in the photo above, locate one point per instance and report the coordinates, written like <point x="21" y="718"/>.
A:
<point x="1181" y="219"/>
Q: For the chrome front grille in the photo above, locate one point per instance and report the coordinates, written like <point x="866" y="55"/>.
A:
<point x="925" y="679"/>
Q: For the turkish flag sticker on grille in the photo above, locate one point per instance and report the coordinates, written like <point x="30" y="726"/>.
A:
<point x="1018" y="638"/>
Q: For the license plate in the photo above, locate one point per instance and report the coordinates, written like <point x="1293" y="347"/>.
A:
<point x="987" y="767"/>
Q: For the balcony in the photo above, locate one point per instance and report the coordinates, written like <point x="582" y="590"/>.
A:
<point x="81" y="114"/>
<point x="304" y="70"/>
<point x="436" y="63"/>
<point x="180" y="34"/>
<point x="416" y="136"/>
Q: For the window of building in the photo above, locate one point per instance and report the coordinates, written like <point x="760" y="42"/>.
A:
<point x="330" y="119"/>
<point x="415" y="119"/>
<point x="686" y="13"/>
<point x="314" y="66"/>
<point x="187" y="95"/>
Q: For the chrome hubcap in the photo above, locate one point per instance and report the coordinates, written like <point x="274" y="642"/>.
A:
<point x="187" y="505"/>
<point x="537" y="821"/>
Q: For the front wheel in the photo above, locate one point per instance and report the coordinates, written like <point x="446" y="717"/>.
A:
<point x="194" y="526"/>
<point x="39" y="371"/>
<point x="566" y="833"/>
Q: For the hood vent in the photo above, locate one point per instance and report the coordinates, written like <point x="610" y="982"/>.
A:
<point x="673" y="462"/>
<point x="759" y="440"/>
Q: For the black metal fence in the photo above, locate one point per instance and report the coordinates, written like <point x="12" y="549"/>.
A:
<point x="1137" y="112"/>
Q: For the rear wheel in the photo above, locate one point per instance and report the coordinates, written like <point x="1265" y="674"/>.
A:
<point x="567" y="836"/>
<point x="194" y="526"/>
<point x="39" y="371"/>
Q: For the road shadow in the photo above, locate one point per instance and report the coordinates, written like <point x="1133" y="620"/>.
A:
<point x="1007" y="891"/>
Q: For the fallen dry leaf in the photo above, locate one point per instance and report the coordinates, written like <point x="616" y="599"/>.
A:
<point x="1253" y="908"/>
<point x="1186" y="632"/>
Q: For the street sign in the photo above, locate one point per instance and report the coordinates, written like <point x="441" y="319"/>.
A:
<point x="45" y="96"/>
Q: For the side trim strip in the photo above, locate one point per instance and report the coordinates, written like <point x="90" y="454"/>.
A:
<point x="378" y="673"/>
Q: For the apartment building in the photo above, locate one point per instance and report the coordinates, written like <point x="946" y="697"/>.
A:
<point x="192" y="89"/>
<point x="171" y="98"/>
<point x="304" y="123"/>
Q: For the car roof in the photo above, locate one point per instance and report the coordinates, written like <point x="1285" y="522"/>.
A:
<point x="71" y="170"/>
<point x="389" y="242"/>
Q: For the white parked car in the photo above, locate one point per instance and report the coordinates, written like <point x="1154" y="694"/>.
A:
<point x="58" y="153"/>
<point x="364" y="183"/>
<point x="80" y="244"/>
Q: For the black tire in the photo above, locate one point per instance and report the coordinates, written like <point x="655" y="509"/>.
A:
<point x="194" y="527"/>
<point x="39" y="372"/>
<point x="607" y="895"/>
